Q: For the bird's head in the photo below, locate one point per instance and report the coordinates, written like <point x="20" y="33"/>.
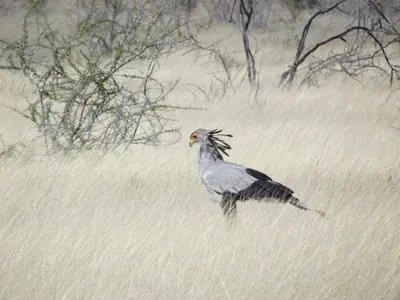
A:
<point x="211" y="138"/>
<point x="199" y="135"/>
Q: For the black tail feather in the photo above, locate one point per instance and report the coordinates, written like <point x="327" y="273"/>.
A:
<point x="296" y="203"/>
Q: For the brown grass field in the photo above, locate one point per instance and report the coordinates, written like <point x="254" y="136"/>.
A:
<point x="139" y="225"/>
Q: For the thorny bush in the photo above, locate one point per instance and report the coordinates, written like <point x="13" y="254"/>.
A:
<point x="86" y="99"/>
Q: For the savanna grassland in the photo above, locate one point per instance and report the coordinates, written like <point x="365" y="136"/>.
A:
<point x="139" y="225"/>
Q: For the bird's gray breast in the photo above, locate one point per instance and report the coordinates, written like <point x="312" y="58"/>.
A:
<point x="226" y="177"/>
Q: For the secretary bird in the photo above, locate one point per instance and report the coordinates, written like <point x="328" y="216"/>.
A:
<point x="227" y="182"/>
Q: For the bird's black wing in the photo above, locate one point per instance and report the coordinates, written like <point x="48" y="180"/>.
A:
<point x="257" y="174"/>
<point x="263" y="187"/>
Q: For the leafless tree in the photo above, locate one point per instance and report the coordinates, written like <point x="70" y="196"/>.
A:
<point x="367" y="38"/>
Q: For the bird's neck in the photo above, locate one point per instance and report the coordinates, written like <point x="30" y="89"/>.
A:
<point x="208" y="154"/>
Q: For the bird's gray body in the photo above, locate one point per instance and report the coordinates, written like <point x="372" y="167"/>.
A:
<point x="227" y="182"/>
<point x="222" y="176"/>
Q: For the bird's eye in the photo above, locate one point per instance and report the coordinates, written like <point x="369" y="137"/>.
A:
<point x="194" y="136"/>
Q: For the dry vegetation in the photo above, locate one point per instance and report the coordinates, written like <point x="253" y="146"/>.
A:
<point x="139" y="225"/>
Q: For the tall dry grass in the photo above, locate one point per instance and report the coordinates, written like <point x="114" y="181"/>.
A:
<point x="139" y="225"/>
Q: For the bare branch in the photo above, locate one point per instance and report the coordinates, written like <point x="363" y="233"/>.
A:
<point x="245" y="17"/>
<point x="232" y="10"/>
<point x="307" y="27"/>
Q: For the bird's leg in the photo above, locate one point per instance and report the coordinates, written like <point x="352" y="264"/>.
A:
<point x="230" y="212"/>
<point x="229" y="208"/>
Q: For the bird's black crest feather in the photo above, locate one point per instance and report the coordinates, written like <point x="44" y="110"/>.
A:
<point x="217" y="142"/>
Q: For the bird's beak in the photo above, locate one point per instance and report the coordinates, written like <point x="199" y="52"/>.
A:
<point x="192" y="141"/>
